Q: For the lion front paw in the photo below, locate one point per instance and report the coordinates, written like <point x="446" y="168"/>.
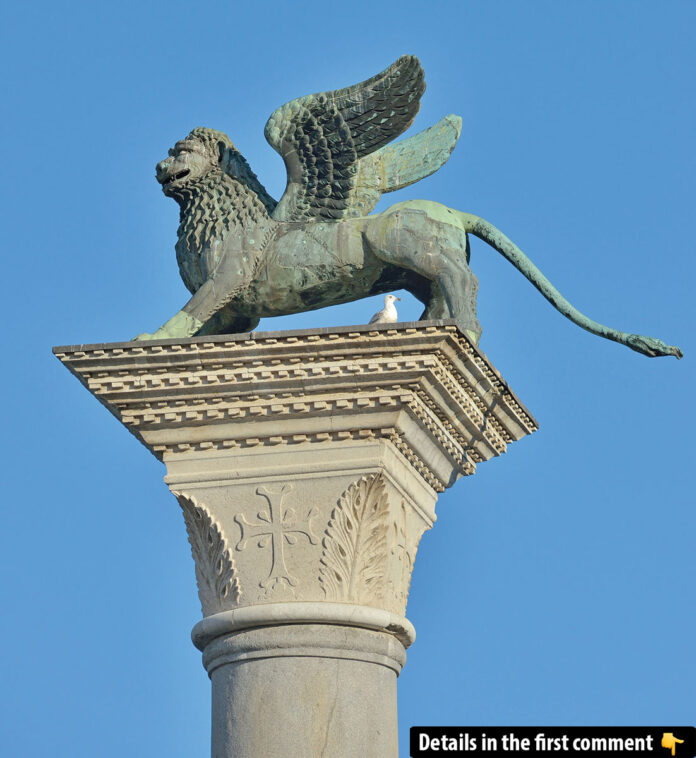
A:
<point x="142" y="337"/>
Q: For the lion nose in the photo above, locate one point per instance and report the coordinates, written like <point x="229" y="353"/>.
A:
<point x="161" y="169"/>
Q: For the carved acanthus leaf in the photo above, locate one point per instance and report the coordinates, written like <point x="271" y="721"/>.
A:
<point x="218" y="585"/>
<point x="403" y="551"/>
<point x="354" y="558"/>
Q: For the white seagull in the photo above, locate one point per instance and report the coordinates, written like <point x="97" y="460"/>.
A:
<point x="388" y="314"/>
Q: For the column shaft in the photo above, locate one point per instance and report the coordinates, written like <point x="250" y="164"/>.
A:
<point x="304" y="690"/>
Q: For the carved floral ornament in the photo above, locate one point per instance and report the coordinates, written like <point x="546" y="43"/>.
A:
<point x="353" y="561"/>
<point x="218" y="586"/>
<point x="366" y="555"/>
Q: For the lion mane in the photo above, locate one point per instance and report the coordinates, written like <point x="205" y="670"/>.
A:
<point x="227" y="198"/>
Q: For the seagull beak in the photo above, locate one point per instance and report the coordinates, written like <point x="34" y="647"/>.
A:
<point x="397" y="298"/>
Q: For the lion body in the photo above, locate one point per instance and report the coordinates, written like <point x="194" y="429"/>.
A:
<point x="243" y="260"/>
<point x="281" y="268"/>
<point x="241" y="265"/>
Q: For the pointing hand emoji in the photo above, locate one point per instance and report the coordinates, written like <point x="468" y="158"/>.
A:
<point x="670" y="741"/>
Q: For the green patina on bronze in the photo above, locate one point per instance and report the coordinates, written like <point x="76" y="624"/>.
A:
<point x="245" y="256"/>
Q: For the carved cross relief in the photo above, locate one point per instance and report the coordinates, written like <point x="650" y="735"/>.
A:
<point x="276" y="528"/>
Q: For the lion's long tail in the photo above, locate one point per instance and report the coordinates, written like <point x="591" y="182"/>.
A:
<point x="482" y="229"/>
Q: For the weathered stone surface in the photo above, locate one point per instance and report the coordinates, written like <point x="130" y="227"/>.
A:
<point x="307" y="465"/>
<point x="305" y="690"/>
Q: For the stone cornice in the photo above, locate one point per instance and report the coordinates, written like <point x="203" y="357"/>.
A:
<point x="423" y="386"/>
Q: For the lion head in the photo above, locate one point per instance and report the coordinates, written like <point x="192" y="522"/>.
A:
<point x="191" y="159"/>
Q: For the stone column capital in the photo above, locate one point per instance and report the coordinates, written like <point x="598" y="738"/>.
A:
<point x="307" y="463"/>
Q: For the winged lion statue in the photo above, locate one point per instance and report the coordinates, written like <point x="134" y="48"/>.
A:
<point x="244" y="256"/>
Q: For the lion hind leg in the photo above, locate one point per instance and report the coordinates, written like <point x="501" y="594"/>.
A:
<point x="436" y="305"/>
<point x="438" y="251"/>
<point x="453" y="296"/>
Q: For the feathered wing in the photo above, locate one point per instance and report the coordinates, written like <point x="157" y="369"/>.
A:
<point x="323" y="137"/>
<point x="402" y="163"/>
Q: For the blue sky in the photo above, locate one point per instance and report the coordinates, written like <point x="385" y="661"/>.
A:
<point x="557" y="585"/>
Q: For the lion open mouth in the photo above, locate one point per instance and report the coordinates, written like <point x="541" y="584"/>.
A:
<point x="179" y="175"/>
